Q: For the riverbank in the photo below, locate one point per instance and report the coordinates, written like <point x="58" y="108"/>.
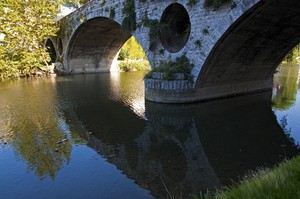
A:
<point x="281" y="182"/>
<point x="130" y="65"/>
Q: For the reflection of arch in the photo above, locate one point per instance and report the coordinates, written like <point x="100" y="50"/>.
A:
<point x="51" y="50"/>
<point x="95" y="45"/>
<point x="252" y="48"/>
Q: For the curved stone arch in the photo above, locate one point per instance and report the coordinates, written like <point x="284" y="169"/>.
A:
<point x="210" y="28"/>
<point x="49" y="44"/>
<point x="94" y="45"/>
<point x="253" y="46"/>
<point x="82" y="21"/>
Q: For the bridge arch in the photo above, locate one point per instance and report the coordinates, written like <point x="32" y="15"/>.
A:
<point x="245" y="58"/>
<point x="50" y="47"/>
<point x="94" y="45"/>
<point x="234" y="48"/>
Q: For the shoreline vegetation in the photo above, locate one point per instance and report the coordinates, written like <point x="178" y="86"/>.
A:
<point x="280" y="182"/>
<point x="132" y="57"/>
<point x="132" y="65"/>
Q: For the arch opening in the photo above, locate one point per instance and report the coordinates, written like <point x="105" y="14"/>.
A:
<point x="94" y="46"/>
<point x="286" y="81"/>
<point x="177" y="27"/>
<point x="247" y="55"/>
<point x="131" y="57"/>
<point x="51" y="50"/>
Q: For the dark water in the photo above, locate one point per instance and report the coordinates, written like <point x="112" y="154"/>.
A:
<point x="94" y="136"/>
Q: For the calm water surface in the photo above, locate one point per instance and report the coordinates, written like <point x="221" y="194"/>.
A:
<point x="94" y="136"/>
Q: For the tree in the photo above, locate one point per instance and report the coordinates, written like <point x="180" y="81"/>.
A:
<point x="75" y="3"/>
<point x="24" y="26"/>
<point x="132" y="50"/>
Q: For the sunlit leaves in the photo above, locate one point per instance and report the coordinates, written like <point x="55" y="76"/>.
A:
<point x="25" y="24"/>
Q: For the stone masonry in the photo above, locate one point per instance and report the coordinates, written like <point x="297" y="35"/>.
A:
<point x="234" y="48"/>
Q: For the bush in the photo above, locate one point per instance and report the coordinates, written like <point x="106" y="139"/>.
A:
<point x="124" y="54"/>
<point x="134" y="65"/>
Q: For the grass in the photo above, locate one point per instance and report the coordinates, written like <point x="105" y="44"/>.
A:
<point x="282" y="182"/>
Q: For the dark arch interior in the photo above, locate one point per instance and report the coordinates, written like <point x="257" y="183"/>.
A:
<point x="96" y="43"/>
<point x="254" y="46"/>
<point x="51" y="50"/>
<point x="176" y="33"/>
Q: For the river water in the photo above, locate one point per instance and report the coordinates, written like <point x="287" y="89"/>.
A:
<point x="94" y="136"/>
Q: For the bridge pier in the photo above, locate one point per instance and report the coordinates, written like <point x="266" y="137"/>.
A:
<point x="234" y="47"/>
<point x="182" y="91"/>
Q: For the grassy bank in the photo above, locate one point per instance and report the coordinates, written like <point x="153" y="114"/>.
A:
<point x="282" y="182"/>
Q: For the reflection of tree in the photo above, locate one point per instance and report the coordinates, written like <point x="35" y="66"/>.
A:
<point x="38" y="145"/>
<point x="33" y="127"/>
<point x="284" y="125"/>
<point x="285" y="87"/>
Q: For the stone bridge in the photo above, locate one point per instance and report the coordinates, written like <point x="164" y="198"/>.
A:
<point x="234" y="47"/>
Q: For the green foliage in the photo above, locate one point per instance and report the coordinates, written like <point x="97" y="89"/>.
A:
<point x="132" y="50"/>
<point x="292" y="55"/>
<point x="132" y="57"/>
<point x="112" y="13"/>
<point x="281" y="182"/>
<point x="102" y="2"/>
<point x="134" y="65"/>
<point x="162" y="51"/>
<point x="215" y="3"/>
<point x="233" y="5"/>
<point x="124" y="54"/>
<point x="25" y="25"/>
<point x="205" y="31"/>
<point x="74" y="3"/>
<point x="83" y="19"/>
<point x="129" y="22"/>
<point x="156" y="30"/>
<point x="198" y="43"/>
<point x="192" y="3"/>
<point x="35" y="132"/>
<point x="181" y="65"/>
<point x="286" y="86"/>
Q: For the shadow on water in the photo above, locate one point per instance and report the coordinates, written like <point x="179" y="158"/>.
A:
<point x="186" y="147"/>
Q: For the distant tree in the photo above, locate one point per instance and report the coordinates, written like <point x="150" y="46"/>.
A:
<point x="124" y="54"/>
<point x="132" y="50"/>
<point x="292" y="55"/>
<point x="75" y="3"/>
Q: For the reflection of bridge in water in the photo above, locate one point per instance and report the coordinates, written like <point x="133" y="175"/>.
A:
<point x="189" y="147"/>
